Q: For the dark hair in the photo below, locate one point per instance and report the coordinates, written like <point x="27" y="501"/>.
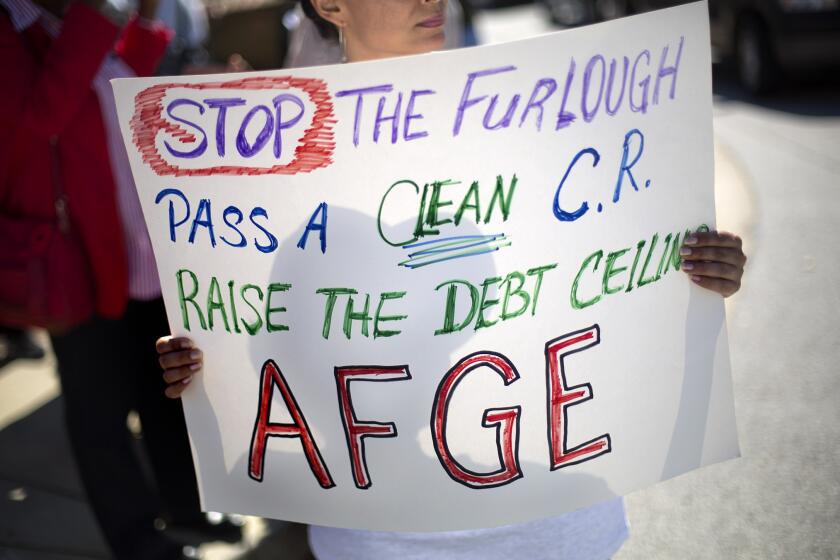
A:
<point x="325" y="29"/>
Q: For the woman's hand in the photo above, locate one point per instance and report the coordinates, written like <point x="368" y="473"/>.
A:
<point x="180" y="361"/>
<point x="714" y="260"/>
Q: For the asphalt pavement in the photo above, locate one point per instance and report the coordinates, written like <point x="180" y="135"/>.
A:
<point x="781" y="499"/>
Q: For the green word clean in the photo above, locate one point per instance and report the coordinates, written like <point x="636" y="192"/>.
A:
<point x="511" y="296"/>
<point x="603" y="274"/>
<point x="217" y="305"/>
<point x="440" y="198"/>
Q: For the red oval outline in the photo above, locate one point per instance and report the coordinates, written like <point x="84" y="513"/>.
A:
<point x="314" y="150"/>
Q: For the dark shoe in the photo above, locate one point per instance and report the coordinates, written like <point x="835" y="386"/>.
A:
<point x="19" y="345"/>
<point x="160" y="547"/>
<point x="201" y="530"/>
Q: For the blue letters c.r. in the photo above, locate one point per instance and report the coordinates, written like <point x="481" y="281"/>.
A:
<point x="561" y="214"/>
<point x="626" y="168"/>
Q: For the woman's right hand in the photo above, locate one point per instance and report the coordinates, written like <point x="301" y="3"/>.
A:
<point x="180" y="360"/>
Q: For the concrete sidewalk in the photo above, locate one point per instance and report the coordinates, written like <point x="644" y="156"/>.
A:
<point x="781" y="499"/>
<point x="43" y="512"/>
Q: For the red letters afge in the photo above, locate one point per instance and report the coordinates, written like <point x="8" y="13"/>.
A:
<point x="560" y="397"/>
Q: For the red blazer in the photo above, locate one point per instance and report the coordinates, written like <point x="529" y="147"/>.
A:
<point x="50" y="96"/>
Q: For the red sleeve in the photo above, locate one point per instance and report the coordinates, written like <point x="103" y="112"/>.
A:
<point x="142" y="45"/>
<point x="45" y="105"/>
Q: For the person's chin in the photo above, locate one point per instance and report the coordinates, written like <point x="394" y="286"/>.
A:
<point x="433" y="42"/>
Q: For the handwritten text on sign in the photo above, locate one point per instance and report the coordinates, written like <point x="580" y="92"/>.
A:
<point x="441" y="292"/>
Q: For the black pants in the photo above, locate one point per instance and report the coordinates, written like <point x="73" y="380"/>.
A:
<point x="107" y="368"/>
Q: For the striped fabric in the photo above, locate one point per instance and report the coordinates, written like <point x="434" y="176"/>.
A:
<point x="143" y="282"/>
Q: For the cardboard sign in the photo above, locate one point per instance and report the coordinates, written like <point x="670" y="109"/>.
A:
<point x="442" y="292"/>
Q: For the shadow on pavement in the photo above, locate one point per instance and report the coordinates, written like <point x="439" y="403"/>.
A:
<point x="43" y="512"/>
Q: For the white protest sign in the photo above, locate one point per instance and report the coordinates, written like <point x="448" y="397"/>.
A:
<point x="442" y="292"/>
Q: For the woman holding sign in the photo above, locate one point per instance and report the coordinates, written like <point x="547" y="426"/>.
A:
<point x="376" y="29"/>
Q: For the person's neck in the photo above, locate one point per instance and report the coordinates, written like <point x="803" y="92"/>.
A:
<point x="357" y="53"/>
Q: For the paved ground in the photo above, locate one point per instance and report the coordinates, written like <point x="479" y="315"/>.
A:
<point x="779" y="185"/>
<point x="782" y="499"/>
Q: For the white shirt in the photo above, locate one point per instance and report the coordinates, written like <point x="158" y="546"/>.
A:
<point x="593" y="533"/>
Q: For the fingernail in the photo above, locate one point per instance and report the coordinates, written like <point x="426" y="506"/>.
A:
<point x="696" y="279"/>
<point x="195" y="367"/>
<point x="195" y="354"/>
<point x="186" y="344"/>
<point x="691" y="240"/>
<point x="187" y="381"/>
<point x="687" y="266"/>
<point x="685" y="251"/>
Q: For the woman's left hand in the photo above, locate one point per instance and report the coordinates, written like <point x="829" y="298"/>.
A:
<point x="714" y="260"/>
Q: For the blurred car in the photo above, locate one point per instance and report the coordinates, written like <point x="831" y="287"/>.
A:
<point x="768" y="38"/>
<point x="765" y="38"/>
<point x="491" y="4"/>
<point x="570" y="13"/>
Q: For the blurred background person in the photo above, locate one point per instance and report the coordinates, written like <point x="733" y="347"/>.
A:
<point x="63" y="161"/>
<point x="187" y="51"/>
<point x="188" y="21"/>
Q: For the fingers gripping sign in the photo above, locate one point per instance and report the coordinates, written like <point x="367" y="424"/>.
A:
<point x="180" y="361"/>
<point x="714" y="260"/>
